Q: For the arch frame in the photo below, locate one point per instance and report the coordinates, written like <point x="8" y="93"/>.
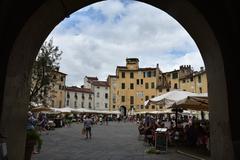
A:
<point x="36" y="29"/>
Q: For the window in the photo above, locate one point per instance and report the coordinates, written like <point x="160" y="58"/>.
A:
<point x="68" y="95"/>
<point x="131" y="86"/>
<point x="149" y="74"/>
<point x="131" y="75"/>
<point x="191" y="79"/>
<point x="146" y="85"/>
<point x="106" y="105"/>
<point x="106" y="96"/>
<point x="183" y="80"/>
<point x="175" y="86"/>
<point x="152" y="85"/>
<point x="89" y="96"/>
<point x="114" y="107"/>
<point x="131" y="99"/>
<point x="141" y="106"/>
<point x="89" y="105"/>
<point x="141" y="81"/>
<point x="144" y="74"/>
<point x="82" y="104"/>
<point x="137" y="81"/>
<point x="60" y="104"/>
<point x="153" y="107"/>
<point x="200" y="89"/>
<point x="98" y="94"/>
<point x="174" y="75"/>
<point x="123" y="74"/>
<point x="67" y="102"/>
<point x="199" y="79"/>
<point x="62" y="78"/>
<point x="60" y="87"/>
<point x="52" y="103"/>
<point x="146" y="107"/>
<point x="167" y="89"/>
<point x="152" y="96"/>
<point x="123" y="99"/>
<point x="123" y="85"/>
<point x="146" y="98"/>
<point x="154" y="73"/>
<point x="83" y="96"/>
<point x="75" y="95"/>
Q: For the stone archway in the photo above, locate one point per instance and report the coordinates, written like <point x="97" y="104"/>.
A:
<point x="36" y="28"/>
<point x="123" y="110"/>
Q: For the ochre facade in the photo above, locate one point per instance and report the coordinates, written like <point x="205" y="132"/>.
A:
<point x="132" y="85"/>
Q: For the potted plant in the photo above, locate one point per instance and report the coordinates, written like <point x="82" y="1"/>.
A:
<point x="33" y="138"/>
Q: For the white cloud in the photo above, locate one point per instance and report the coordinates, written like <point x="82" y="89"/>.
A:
<point x="98" y="38"/>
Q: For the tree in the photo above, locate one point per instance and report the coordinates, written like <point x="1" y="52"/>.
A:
<point x="43" y="78"/>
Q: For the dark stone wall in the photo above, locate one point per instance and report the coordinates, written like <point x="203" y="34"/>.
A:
<point x="221" y="16"/>
<point x="13" y="15"/>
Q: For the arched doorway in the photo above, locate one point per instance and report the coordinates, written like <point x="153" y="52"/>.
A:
<point x="123" y="110"/>
<point x="35" y="28"/>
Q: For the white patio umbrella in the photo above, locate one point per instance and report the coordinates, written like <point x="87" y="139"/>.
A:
<point x="184" y="99"/>
<point x="63" y="110"/>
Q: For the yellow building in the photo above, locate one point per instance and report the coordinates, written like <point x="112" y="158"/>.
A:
<point x="171" y="80"/>
<point x="196" y="82"/>
<point x="133" y="86"/>
<point x="57" y="93"/>
<point x="112" y="81"/>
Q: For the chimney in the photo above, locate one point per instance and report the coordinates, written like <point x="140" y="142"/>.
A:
<point x="57" y="68"/>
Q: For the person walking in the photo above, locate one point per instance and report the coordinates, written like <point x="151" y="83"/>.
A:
<point x="106" y="120"/>
<point x="88" y="125"/>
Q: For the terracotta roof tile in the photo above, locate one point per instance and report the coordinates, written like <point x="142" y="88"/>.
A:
<point x="91" y="78"/>
<point x="100" y="83"/>
<point x="77" y="89"/>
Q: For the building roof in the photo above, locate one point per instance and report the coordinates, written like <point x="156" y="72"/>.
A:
<point x="77" y="89"/>
<point x="147" y="68"/>
<point x="122" y="67"/>
<point x="114" y="76"/>
<point x="92" y="78"/>
<point x="139" y="69"/>
<point x="60" y="72"/>
<point x="100" y="83"/>
<point x="199" y="72"/>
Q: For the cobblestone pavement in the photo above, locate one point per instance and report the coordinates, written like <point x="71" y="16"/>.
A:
<point x="117" y="141"/>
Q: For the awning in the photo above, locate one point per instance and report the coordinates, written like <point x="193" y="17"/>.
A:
<point x="183" y="99"/>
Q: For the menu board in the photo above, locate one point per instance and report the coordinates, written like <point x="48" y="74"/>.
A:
<point x="161" y="141"/>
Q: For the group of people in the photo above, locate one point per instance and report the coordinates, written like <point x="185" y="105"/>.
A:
<point x="188" y="131"/>
<point x="36" y="125"/>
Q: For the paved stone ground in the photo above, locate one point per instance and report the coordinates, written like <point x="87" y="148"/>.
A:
<point x="117" y="141"/>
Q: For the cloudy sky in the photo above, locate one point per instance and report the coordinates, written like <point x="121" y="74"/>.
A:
<point x="97" y="38"/>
